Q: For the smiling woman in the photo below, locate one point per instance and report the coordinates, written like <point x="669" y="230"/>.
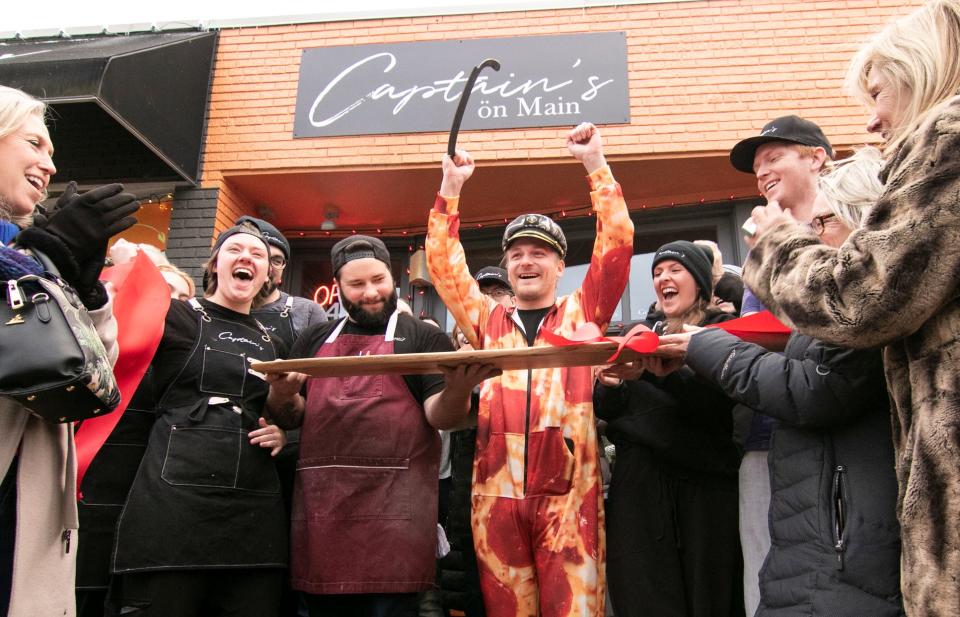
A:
<point x="893" y="283"/>
<point x="676" y="463"/>
<point x="210" y="449"/>
<point x="38" y="510"/>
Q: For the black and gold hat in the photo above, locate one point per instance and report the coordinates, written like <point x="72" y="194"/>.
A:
<point x="536" y="226"/>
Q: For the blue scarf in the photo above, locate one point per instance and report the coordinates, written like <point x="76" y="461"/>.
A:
<point x="8" y="231"/>
<point x="13" y="263"/>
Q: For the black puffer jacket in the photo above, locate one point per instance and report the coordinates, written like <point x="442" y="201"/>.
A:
<point x="835" y="540"/>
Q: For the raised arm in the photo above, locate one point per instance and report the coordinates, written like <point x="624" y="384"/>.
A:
<point x="446" y="260"/>
<point x="610" y="263"/>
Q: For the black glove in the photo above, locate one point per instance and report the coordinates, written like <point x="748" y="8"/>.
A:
<point x="85" y="223"/>
<point x="84" y="278"/>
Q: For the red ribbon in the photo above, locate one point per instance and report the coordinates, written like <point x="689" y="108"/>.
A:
<point x="760" y="328"/>
<point x="139" y="305"/>
<point x="639" y="339"/>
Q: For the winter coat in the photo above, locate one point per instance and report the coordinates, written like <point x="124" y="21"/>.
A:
<point x="835" y="541"/>
<point x="672" y="510"/>
<point x="46" y="539"/>
<point x="894" y="283"/>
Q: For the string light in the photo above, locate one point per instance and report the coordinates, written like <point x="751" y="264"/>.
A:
<point x="564" y="213"/>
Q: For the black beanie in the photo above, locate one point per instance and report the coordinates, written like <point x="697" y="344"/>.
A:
<point x="698" y="261"/>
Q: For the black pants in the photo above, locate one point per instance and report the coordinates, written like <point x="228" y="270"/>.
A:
<point x="91" y="602"/>
<point x="8" y="534"/>
<point x="197" y="593"/>
<point x="673" y="545"/>
<point x="363" y="605"/>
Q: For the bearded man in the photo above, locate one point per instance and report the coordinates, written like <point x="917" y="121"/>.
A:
<point x="364" y="524"/>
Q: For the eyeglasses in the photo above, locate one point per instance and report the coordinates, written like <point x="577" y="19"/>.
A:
<point x="819" y="223"/>
<point x="497" y="294"/>
<point x="278" y="261"/>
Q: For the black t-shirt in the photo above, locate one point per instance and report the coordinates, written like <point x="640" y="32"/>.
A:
<point x="531" y="318"/>
<point x="411" y="336"/>
<point x="180" y="330"/>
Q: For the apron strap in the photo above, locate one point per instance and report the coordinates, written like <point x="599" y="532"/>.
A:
<point x="195" y="305"/>
<point x="287" y="306"/>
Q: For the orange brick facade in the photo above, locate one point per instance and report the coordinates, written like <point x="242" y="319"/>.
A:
<point x="702" y="75"/>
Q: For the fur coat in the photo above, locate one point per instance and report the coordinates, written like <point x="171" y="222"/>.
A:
<point x="895" y="284"/>
<point x="45" y="553"/>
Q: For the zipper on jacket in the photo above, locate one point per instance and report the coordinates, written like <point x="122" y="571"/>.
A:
<point x="526" y="432"/>
<point x="839" y="514"/>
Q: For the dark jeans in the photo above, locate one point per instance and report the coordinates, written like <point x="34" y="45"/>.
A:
<point x="197" y="593"/>
<point x="363" y="605"/>
<point x="8" y="533"/>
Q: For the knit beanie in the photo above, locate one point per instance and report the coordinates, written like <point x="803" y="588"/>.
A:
<point x="697" y="260"/>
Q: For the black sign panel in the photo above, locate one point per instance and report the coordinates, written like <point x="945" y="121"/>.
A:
<point x="415" y="87"/>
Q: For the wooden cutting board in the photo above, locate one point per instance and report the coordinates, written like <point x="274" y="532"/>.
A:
<point x="584" y="354"/>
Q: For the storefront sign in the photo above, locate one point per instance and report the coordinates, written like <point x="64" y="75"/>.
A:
<point x="414" y="87"/>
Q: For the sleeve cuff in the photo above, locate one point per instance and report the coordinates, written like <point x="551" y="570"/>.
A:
<point x="601" y="177"/>
<point x="446" y="205"/>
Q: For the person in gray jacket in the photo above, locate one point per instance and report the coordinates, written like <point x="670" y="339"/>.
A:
<point x="835" y="541"/>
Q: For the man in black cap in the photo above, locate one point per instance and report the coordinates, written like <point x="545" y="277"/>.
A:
<point x="364" y="525"/>
<point x="537" y="493"/>
<point x="787" y="158"/>
<point x="285" y="316"/>
<point x="493" y="282"/>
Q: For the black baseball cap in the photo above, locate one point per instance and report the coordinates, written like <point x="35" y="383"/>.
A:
<point x="493" y="274"/>
<point x="536" y="226"/>
<point x="270" y="233"/>
<point x="793" y="129"/>
<point x="358" y="247"/>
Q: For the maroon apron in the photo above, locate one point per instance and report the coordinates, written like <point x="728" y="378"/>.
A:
<point x="365" y="499"/>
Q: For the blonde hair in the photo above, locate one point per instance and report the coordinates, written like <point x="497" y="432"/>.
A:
<point x="853" y="185"/>
<point x="809" y="152"/>
<point x="168" y="267"/>
<point x="16" y="106"/>
<point x="716" y="268"/>
<point x="919" y="54"/>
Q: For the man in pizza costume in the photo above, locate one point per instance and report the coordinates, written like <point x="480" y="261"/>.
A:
<point x="537" y="512"/>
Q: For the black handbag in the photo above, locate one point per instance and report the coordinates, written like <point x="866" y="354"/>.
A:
<point x="51" y="358"/>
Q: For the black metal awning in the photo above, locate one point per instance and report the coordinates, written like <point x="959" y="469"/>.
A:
<point x="155" y="86"/>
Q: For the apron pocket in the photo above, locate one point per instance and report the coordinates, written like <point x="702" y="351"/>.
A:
<point x="353" y="487"/>
<point x="223" y="372"/>
<point x="362" y="386"/>
<point x="257" y="471"/>
<point x="202" y="456"/>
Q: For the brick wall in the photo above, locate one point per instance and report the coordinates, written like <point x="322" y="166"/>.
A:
<point x="192" y="230"/>
<point x="702" y="76"/>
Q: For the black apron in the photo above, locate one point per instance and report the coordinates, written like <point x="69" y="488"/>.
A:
<point x="106" y="484"/>
<point x="203" y="496"/>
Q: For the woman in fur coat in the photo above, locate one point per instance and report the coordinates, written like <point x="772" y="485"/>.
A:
<point x="894" y="283"/>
